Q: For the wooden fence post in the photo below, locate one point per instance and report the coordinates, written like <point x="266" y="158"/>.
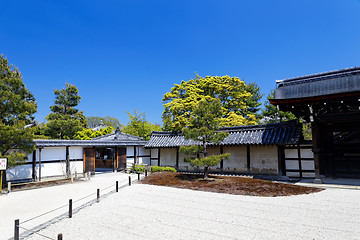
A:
<point x="16" y="231"/>
<point x="138" y="176"/>
<point x="70" y="208"/>
<point x="60" y="237"/>
<point x="117" y="186"/>
<point x="145" y="173"/>
<point x="98" y="195"/>
<point x="129" y="180"/>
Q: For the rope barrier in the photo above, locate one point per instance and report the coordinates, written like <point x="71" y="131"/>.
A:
<point x="123" y="185"/>
<point x="44" y="214"/>
<point x="37" y="233"/>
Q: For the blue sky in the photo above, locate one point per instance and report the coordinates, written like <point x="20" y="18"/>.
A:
<point x="124" y="55"/>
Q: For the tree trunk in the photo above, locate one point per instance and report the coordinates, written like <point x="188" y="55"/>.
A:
<point x="206" y="172"/>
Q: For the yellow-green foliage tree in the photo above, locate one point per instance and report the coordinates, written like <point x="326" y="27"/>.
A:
<point x="88" y="133"/>
<point x="184" y="97"/>
<point x="139" y="126"/>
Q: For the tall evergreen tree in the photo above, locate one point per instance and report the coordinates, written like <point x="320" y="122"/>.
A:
<point x="253" y="103"/>
<point x="204" y="124"/>
<point x="65" y="120"/>
<point x="17" y="105"/>
<point x="272" y="115"/>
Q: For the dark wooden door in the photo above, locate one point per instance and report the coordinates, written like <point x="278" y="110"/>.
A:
<point x="121" y="158"/>
<point x="89" y="160"/>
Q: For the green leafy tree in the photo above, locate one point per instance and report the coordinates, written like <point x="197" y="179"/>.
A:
<point x="272" y="115"/>
<point x="17" y="105"/>
<point x="65" y="120"/>
<point x="184" y="97"/>
<point x="253" y="103"/>
<point x="138" y="126"/>
<point x="107" y="121"/>
<point x="204" y="124"/>
<point x="88" y="133"/>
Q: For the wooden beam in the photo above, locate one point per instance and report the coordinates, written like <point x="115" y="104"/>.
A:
<point x="39" y="164"/>
<point x="177" y="158"/>
<point x="316" y="149"/>
<point x="299" y="160"/>
<point x="67" y="161"/>
<point x="159" y="156"/>
<point x="222" y="161"/>
<point x="248" y="158"/>
<point x="34" y="166"/>
<point x="281" y="160"/>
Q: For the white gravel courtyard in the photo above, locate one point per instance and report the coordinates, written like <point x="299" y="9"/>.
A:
<point x="152" y="212"/>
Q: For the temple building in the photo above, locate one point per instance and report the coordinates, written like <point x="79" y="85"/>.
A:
<point x="331" y="102"/>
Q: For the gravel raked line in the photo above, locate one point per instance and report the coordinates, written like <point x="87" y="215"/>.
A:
<point x="152" y="212"/>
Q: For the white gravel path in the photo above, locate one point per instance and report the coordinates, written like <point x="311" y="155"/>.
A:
<point x="27" y="204"/>
<point x="152" y="212"/>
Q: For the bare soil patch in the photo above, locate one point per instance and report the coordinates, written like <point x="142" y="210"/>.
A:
<point x="35" y="185"/>
<point x="225" y="184"/>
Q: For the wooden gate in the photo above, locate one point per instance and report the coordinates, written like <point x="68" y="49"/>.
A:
<point x="89" y="160"/>
<point x="121" y="158"/>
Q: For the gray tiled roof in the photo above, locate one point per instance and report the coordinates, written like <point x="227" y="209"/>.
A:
<point x="85" y="143"/>
<point x="110" y="140"/>
<point x="118" y="136"/>
<point x="333" y="82"/>
<point x="269" y="134"/>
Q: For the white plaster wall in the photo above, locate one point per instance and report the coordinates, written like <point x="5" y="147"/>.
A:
<point x="238" y="159"/>
<point x="142" y="151"/>
<point x="51" y="153"/>
<point x="214" y="151"/>
<point x="307" y="165"/>
<point x="264" y="159"/>
<point x="307" y="153"/>
<point x="76" y="166"/>
<point x="51" y="169"/>
<point x="291" y="153"/>
<point x="154" y="162"/>
<point x="184" y="166"/>
<point x="144" y="160"/>
<point x="75" y="153"/>
<point x="168" y="157"/>
<point x="154" y="152"/>
<point x="19" y="172"/>
<point x="130" y="151"/>
<point x="292" y="164"/>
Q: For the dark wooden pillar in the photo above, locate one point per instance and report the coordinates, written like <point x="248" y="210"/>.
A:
<point x="315" y="129"/>
<point x="222" y="161"/>
<point x="159" y="156"/>
<point x="299" y="160"/>
<point x="248" y="158"/>
<point x="135" y="155"/>
<point x="177" y="158"/>
<point x="115" y="160"/>
<point x="281" y="160"/>
<point x="40" y="164"/>
<point x="67" y="161"/>
<point x="34" y="166"/>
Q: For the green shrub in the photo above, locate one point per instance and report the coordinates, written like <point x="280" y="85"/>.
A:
<point x="162" y="169"/>
<point x="138" y="168"/>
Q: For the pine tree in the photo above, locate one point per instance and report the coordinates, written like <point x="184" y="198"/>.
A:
<point x="17" y="105"/>
<point x="272" y="115"/>
<point x="65" y="120"/>
<point x="204" y="124"/>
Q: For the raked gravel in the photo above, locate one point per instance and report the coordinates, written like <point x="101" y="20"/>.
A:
<point x="152" y="212"/>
